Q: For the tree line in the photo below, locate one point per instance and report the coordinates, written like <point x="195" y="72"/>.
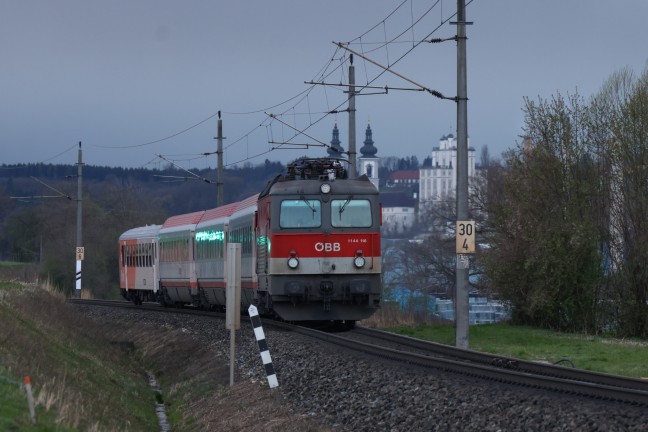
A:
<point x="562" y="218"/>
<point x="569" y="213"/>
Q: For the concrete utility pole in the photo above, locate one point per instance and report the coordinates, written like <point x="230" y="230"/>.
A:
<point x="219" y="154"/>
<point x="461" y="294"/>
<point x="79" y="241"/>
<point x="352" y="125"/>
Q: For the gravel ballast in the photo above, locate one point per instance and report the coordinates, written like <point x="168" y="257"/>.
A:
<point x="349" y="392"/>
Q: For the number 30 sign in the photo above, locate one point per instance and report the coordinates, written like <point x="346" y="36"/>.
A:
<point x="465" y="237"/>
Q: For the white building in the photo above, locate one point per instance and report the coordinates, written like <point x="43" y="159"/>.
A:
<point x="399" y="213"/>
<point x="439" y="181"/>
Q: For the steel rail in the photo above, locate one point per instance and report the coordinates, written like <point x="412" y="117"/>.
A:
<point x="525" y="366"/>
<point x="483" y="371"/>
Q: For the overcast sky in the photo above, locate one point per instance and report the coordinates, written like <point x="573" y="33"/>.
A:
<point x="118" y="75"/>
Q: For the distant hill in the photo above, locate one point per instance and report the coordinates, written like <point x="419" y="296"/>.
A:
<point x="180" y="191"/>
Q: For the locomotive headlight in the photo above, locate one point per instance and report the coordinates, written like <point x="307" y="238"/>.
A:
<point x="359" y="260"/>
<point x="325" y="188"/>
<point x="293" y="262"/>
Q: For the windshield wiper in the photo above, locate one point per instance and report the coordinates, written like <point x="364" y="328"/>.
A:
<point x="308" y="204"/>
<point x="345" y="204"/>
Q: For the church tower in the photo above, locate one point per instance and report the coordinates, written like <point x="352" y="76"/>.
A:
<point x="369" y="160"/>
<point x="336" y="149"/>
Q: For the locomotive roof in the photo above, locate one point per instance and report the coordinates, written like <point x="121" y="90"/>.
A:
<point x="148" y="231"/>
<point x="358" y="186"/>
<point x="307" y="171"/>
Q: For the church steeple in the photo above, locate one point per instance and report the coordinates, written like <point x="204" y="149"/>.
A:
<point x="369" y="160"/>
<point x="336" y="149"/>
<point x="368" y="149"/>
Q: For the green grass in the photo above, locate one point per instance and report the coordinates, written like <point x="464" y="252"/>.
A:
<point x="9" y="285"/>
<point x="14" y="411"/>
<point x="11" y="264"/>
<point x="80" y="380"/>
<point x="614" y="356"/>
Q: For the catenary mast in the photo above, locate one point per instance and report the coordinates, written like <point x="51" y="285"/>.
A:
<point x="461" y="294"/>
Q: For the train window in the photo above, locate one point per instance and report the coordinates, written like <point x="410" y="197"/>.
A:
<point x="301" y="213"/>
<point x="351" y="213"/>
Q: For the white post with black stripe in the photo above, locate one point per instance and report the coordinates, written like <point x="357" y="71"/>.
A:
<point x="263" y="346"/>
<point x="80" y="253"/>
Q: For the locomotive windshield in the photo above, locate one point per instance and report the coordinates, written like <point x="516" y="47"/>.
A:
<point x="300" y="214"/>
<point x="354" y="213"/>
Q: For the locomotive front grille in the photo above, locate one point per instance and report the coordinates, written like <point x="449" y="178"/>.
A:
<point x="326" y="288"/>
<point x="360" y="286"/>
<point x="294" y="288"/>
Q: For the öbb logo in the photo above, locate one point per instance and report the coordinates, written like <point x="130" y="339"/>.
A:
<point x="327" y="247"/>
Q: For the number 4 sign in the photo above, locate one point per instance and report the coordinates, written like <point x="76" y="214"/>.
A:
<point x="465" y="237"/>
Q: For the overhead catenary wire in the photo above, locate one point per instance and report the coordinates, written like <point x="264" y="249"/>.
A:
<point x="186" y="170"/>
<point x="161" y="139"/>
<point x="300" y="132"/>
<point x="60" y="194"/>
<point x="360" y="87"/>
<point x="326" y="71"/>
<point x="415" y="45"/>
<point x="394" y="39"/>
<point x="388" y="69"/>
<point x="432" y="92"/>
<point x="306" y="96"/>
<point x="301" y="96"/>
<point x="73" y="146"/>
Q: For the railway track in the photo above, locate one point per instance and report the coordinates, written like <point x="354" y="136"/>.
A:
<point x="424" y="354"/>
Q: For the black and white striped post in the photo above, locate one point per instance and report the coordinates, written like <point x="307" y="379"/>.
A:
<point x="263" y="346"/>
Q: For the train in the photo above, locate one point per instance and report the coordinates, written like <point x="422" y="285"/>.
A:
<point x="310" y="249"/>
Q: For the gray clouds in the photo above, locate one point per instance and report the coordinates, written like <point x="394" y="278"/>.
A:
<point x="117" y="73"/>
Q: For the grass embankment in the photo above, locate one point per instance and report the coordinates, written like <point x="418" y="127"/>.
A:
<point x="594" y="353"/>
<point x="80" y="380"/>
<point x="91" y="376"/>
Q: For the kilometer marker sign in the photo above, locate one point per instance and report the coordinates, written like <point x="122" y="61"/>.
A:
<point x="465" y="237"/>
